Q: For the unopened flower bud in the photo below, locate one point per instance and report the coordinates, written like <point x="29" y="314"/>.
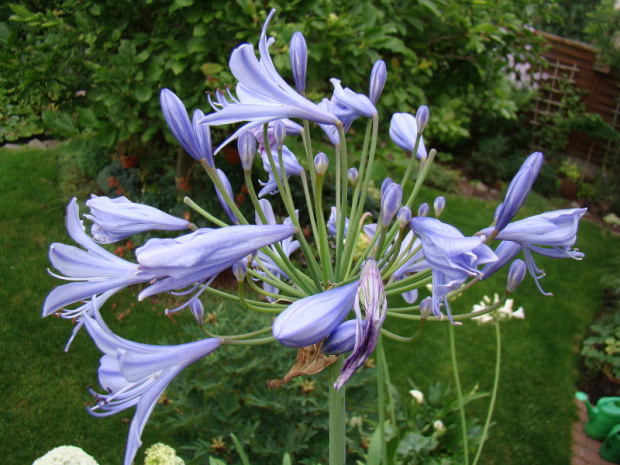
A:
<point x="198" y="310"/>
<point x="390" y="203"/>
<point x="321" y="162"/>
<point x="426" y="308"/>
<point x="378" y="76"/>
<point x="240" y="269"/>
<point x="279" y="133"/>
<point x="424" y="209"/>
<point x="309" y="320"/>
<point x="404" y="217"/>
<point x="386" y="183"/>
<point x="343" y="339"/>
<point x="439" y="205"/>
<point x="299" y="60"/>
<point x="421" y="117"/>
<point x="516" y="273"/>
<point x="353" y="175"/>
<point x="247" y="149"/>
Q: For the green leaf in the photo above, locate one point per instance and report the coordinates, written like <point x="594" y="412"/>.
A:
<point x="240" y="451"/>
<point x="142" y="56"/>
<point x="211" y="68"/>
<point x="200" y="30"/>
<point x="286" y="459"/>
<point x="144" y="92"/>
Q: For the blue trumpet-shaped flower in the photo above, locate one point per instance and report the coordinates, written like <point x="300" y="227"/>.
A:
<point x="201" y="255"/>
<point x="404" y="132"/>
<point x="262" y="94"/>
<point x="371" y="296"/>
<point x="94" y="270"/>
<point x="311" y="319"/>
<point x="119" y="218"/>
<point x="134" y="374"/>
<point x="551" y="234"/>
<point x="451" y="256"/>
<point x="226" y="183"/>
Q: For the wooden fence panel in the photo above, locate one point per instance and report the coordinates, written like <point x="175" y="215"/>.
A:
<point x="574" y="63"/>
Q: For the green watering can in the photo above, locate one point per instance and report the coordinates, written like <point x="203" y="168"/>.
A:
<point x="603" y="417"/>
<point x="610" y="449"/>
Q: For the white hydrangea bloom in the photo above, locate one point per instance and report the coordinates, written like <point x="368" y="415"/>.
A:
<point x="161" y="454"/>
<point x="66" y="455"/>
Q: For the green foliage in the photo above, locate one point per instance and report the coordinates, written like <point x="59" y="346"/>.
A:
<point x="88" y="69"/>
<point x="427" y="432"/>
<point x="602" y="349"/>
<point x="204" y="410"/>
<point x="567" y="18"/>
<point x="603" y="28"/>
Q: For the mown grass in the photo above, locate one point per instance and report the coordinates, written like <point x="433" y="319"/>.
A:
<point x="45" y="388"/>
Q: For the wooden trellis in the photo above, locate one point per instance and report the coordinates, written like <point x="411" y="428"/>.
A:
<point x="574" y="64"/>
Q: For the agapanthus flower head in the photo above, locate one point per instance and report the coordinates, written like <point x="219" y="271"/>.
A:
<point x="378" y="76"/>
<point x="119" y="218"/>
<point x="309" y="320"/>
<point x="134" y="374"/>
<point x="349" y="105"/>
<point x="299" y="60"/>
<point x="452" y="257"/>
<point x="194" y="138"/>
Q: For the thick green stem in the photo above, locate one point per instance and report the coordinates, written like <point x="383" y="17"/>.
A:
<point x="337" y="424"/>
<point x="487" y="423"/>
<point x="459" y="392"/>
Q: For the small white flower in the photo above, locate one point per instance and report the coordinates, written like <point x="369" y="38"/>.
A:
<point x="417" y="395"/>
<point x="66" y="455"/>
<point x="502" y="313"/>
<point x="439" y="426"/>
<point x="161" y="454"/>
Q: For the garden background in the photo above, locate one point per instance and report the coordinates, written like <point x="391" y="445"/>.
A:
<point x="89" y="73"/>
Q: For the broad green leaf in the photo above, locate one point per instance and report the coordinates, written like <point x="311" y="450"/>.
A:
<point x="144" y="92"/>
<point x="200" y="30"/>
<point x="211" y="68"/>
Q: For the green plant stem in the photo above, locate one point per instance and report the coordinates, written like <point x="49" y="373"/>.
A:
<point x="381" y="396"/>
<point x="337" y="425"/>
<point x="388" y="383"/>
<point x="459" y="392"/>
<point x="487" y="423"/>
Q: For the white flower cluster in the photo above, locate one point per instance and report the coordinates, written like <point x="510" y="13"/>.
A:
<point x="161" y="454"/>
<point x="504" y="312"/>
<point x="66" y="455"/>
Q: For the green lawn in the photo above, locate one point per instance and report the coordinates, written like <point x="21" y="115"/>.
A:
<point x="45" y="389"/>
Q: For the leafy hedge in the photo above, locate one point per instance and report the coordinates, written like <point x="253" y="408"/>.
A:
<point x="94" y="68"/>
